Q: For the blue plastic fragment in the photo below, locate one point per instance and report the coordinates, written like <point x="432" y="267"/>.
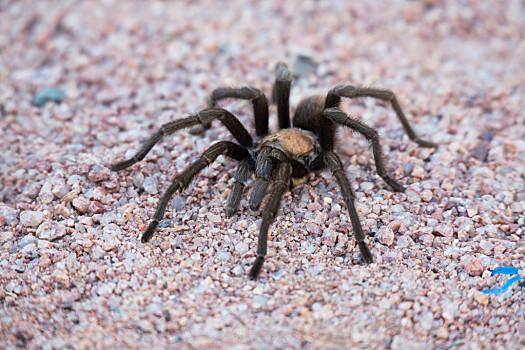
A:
<point x="505" y="270"/>
<point x="48" y="95"/>
<point x="504" y="287"/>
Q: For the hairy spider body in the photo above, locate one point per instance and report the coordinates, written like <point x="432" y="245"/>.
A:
<point x="282" y="157"/>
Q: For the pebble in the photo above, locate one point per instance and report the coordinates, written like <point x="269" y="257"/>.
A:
<point x="50" y="231"/>
<point x="31" y="218"/>
<point x="150" y="185"/>
<point x="427" y="239"/>
<point x="481" y="298"/>
<point x="106" y="289"/>
<point x="27" y="239"/>
<point x="403" y="242"/>
<point x="486" y="246"/>
<point x="214" y="218"/>
<point x="8" y="215"/>
<point x="99" y="173"/>
<point x="472" y="209"/>
<point x="241" y="248"/>
<point x="426" y="195"/>
<point x="328" y="238"/>
<point x="474" y="267"/>
<point x="81" y="204"/>
<point x="385" y="235"/>
<point x="97" y="252"/>
<point x="443" y="230"/>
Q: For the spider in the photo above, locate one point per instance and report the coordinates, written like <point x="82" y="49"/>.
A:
<point x="306" y="145"/>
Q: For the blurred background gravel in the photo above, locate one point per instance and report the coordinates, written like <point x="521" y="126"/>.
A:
<point x="73" y="273"/>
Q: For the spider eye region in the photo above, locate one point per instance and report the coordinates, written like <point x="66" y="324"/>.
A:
<point x="293" y="142"/>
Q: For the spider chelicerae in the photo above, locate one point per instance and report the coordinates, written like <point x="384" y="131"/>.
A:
<point x="298" y="148"/>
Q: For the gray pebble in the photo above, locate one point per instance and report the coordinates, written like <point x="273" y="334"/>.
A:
<point x="31" y="218"/>
<point x="150" y="185"/>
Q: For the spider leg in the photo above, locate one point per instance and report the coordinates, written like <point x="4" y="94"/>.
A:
<point x="339" y="117"/>
<point x="203" y="117"/>
<point x="334" y="98"/>
<point x="181" y="181"/>
<point x="281" y="94"/>
<point x="263" y="173"/>
<point x="259" y="102"/>
<point x="281" y="184"/>
<point x="266" y="161"/>
<point x="241" y="175"/>
<point x="336" y="167"/>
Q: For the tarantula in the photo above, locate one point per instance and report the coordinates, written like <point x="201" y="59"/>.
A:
<point x="278" y="158"/>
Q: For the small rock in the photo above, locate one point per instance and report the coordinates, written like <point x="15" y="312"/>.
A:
<point x="451" y="310"/>
<point x="214" y="218"/>
<point x="393" y="256"/>
<point x="472" y="209"/>
<point x="97" y="252"/>
<point x="443" y="230"/>
<point x="329" y="237"/>
<point x="426" y="195"/>
<point x="486" y="246"/>
<point x="27" y="239"/>
<point x="106" y="288"/>
<point x="150" y="185"/>
<point x="241" y="248"/>
<point x="481" y="298"/>
<point x="427" y="239"/>
<point x="46" y="195"/>
<point x="385" y="236"/>
<point x="81" y="204"/>
<point x="412" y="196"/>
<point x="474" y="267"/>
<point x="96" y="207"/>
<point x="31" y="218"/>
<point x="99" y="173"/>
<point x="304" y="65"/>
<point x="418" y="171"/>
<point x="403" y="242"/>
<point x="107" y="246"/>
<point x="481" y="151"/>
<point x="50" y="231"/>
<point x="316" y="207"/>
<point x="178" y="203"/>
<point x="9" y="214"/>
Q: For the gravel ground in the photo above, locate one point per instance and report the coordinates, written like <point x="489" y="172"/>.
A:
<point x="73" y="273"/>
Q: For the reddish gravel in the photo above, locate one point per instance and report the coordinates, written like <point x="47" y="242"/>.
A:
<point x="73" y="273"/>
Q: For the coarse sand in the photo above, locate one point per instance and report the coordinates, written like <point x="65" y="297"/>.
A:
<point x="107" y="74"/>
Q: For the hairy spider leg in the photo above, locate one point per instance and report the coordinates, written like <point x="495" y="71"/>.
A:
<point x="281" y="94"/>
<point x="181" y="181"/>
<point x="263" y="174"/>
<point x="207" y="115"/>
<point x="339" y="117"/>
<point x="280" y="186"/>
<point x="256" y="96"/>
<point x="332" y="160"/>
<point x="241" y="176"/>
<point x="334" y="96"/>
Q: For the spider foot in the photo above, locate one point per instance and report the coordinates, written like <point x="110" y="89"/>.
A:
<point x="365" y="253"/>
<point x="256" y="268"/>
<point x="146" y="236"/>
<point x="394" y="185"/>
<point x="122" y="165"/>
<point x="426" y="144"/>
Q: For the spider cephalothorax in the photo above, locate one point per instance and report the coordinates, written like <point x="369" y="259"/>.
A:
<point x="281" y="157"/>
